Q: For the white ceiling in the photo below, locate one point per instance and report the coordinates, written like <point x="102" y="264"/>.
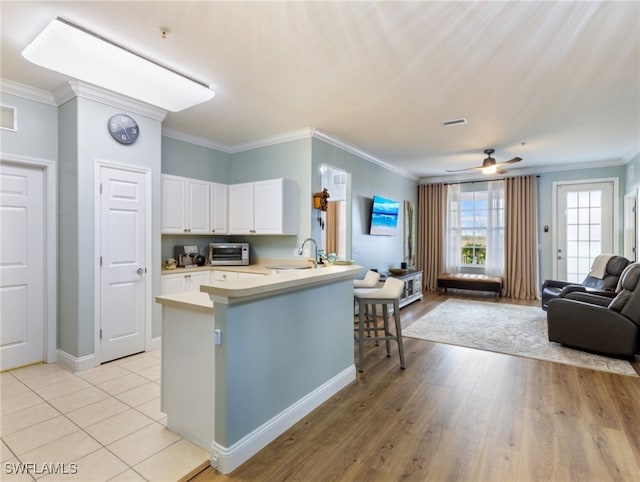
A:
<point x="561" y="77"/>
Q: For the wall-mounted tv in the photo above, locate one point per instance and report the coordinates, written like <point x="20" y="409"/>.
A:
<point x="384" y="216"/>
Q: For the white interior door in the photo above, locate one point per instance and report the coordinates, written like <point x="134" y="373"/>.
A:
<point x="22" y="300"/>
<point x="123" y="280"/>
<point x="630" y="226"/>
<point x="585" y="227"/>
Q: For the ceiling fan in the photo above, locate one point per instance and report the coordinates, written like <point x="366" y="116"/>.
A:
<point x="489" y="165"/>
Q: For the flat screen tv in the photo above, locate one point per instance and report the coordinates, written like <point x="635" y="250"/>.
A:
<point x="384" y="216"/>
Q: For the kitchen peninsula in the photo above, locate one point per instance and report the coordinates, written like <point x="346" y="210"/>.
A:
<point x="245" y="359"/>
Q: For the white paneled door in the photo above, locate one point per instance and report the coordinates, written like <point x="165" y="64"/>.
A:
<point x="123" y="277"/>
<point x="22" y="267"/>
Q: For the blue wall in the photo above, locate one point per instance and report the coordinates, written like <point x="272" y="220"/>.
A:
<point x="367" y="179"/>
<point x="299" y="160"/>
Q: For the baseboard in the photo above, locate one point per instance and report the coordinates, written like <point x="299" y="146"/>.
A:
<point x="75" y="364"/>
<point x="155" y="343"/>
<point x="227" y="459"/>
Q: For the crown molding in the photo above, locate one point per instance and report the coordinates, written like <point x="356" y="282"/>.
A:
<point x="198" y="141"/>
<point x="272" y="141"/>
<point x="305" y="133"/>
<point x="521" y="172"/>
<point x="21" y="90"/>
<point x="71" y="89"/>
<point x="362" y="154"/>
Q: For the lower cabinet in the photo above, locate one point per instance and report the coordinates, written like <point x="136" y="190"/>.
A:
<point x="183" y="282"/>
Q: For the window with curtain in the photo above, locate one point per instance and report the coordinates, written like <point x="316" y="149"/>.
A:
<point x="475" y="229"/>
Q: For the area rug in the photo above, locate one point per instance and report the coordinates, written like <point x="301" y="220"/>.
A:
<point x="504" y="328"/>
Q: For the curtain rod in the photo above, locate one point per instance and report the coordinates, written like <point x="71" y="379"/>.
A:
<point x="480" y="180"/>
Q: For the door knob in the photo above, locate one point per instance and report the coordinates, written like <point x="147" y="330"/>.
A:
<point x="139" y="271"/>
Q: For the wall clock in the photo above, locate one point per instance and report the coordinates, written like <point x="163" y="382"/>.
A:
<point x="123" y="128"/>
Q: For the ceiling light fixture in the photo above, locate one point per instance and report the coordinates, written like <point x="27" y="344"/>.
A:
<point x="72" y="50"/>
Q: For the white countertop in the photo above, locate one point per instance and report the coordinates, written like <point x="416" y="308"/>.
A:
<point x="194" y="301"/>
<point x="258" y="287"/>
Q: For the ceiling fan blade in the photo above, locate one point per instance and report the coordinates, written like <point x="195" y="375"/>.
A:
<point x="500" y="171"/>
<point x="515" y="159"/>
<point x="465" y="169"/>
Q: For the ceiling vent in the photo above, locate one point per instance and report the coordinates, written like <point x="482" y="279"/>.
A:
<point x="454" y="122"/>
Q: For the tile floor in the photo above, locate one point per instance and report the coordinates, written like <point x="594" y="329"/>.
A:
<point x="96" y="425"/>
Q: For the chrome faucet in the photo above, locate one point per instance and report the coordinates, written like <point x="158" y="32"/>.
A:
<point x="315" y="252"/>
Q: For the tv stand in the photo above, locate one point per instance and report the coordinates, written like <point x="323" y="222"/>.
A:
<point x="412" y="287"/>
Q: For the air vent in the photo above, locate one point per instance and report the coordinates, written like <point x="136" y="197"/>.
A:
<point x="454" y="122"/>
<point x="8" y="118"/>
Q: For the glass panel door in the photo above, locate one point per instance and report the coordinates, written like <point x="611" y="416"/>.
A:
<point x="585" y="214"/>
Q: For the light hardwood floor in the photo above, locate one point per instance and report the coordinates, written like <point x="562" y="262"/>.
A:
<point x="461" y="415"/>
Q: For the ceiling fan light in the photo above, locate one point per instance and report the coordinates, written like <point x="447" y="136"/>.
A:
<point x="490" y="169"/>
<point x="74" y="51"/>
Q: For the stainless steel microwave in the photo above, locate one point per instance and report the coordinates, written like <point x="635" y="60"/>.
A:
<point x="229" y="254"/>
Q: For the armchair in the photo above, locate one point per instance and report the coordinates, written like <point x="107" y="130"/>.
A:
<point x="613" y="329"/>
<point x="604" y="286"/>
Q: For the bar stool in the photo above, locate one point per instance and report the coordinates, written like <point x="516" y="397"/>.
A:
<point x="370" y="280"/>
<point x="389" y="294"/>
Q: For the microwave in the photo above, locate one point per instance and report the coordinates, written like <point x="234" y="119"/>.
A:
<point x="229" y="254"/>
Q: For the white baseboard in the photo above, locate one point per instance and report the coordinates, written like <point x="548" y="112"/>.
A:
<point x="227" y="459"/>
<point x="155" y="343"/>
<point x="76" y="364"/>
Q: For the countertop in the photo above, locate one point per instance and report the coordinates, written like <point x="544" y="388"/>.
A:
<point x="258" y="287"/>
<point x="259" y="267"/>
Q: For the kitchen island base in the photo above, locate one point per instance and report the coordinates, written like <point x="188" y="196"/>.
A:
<point x="286" y="346"/>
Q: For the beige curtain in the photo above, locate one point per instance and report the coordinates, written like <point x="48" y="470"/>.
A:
<point x="332" y="224"/>
<point x="432" y="209"/>
<point x="521" y="238"/>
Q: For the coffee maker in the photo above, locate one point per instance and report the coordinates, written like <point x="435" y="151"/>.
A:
<point x="186" y="256"/>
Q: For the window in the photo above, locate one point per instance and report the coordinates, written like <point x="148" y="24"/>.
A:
<point x="475" y="228"/>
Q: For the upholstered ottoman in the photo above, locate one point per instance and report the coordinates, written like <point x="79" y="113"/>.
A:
<point x="464" y="281"/>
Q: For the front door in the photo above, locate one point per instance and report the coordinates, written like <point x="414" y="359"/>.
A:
<point x="22" y="265"/>
<point x="585" y="217"/>
<point x="123" y="278"/>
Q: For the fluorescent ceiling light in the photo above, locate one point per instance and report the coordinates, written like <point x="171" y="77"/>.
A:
<point x="74" y="51"/>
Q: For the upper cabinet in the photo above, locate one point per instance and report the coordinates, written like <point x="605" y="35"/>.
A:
<point x="219" y="195"/>
<point x="263" y="207"/>
<point x="191" y="206"/>
<point x="186" y="205"/>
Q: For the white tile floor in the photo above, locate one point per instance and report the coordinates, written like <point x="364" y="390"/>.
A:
<point x="97" y="425"/>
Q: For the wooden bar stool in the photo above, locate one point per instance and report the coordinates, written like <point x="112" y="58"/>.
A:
<point x="389" y="294"/>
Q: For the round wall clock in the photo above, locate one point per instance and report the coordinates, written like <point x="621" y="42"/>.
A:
<point x="123" y="128"/>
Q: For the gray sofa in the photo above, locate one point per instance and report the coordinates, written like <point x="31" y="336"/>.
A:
<point x="599" y="324"/>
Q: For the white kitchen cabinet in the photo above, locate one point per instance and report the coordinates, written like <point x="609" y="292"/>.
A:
<point x="263" y="207"/>
<point x="186" y="205"/>
<point x="183" y="282"/>
<point x="241" y="208"/>
<point x="219" y="195"/>
<point x="232" y="275"/>
<point x="224" y="275"/>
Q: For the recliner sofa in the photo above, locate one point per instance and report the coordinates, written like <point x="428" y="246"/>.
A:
<point x="606" y="286"/>
<point x="599" y="324"/>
